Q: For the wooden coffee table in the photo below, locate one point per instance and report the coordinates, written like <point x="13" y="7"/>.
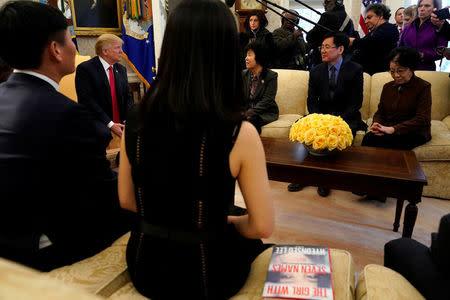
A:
<point x="367" y="170"/>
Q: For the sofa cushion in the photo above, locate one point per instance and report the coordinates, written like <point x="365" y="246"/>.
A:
<point x="438" y="149"/>
<point x="280" y="128"/>
<point x="127" y="292"/>
<point x="342" y="276"/>
<point x="100" y="274"/>
<point x="292" y="91"/>
<point x="380" y="283"/>
<point x="20" y="282"/>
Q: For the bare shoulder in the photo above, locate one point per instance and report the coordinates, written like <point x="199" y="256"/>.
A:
<point x="248" y="135"/>
<point x="248" y="147"/>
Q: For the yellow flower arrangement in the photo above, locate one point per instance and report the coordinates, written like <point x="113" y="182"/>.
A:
<point x="322" y="132"/>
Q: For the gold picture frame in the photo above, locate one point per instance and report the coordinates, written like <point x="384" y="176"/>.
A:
<point x="95" y="17"/>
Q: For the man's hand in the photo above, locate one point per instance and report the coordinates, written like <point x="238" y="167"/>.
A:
<point x="298" y="32"/>
<point x="117" y="129"/>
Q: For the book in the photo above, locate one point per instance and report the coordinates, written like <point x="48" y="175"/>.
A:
<point x="299" y="272"/>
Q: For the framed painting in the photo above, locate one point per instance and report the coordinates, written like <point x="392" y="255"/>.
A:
<point x="95" y="17"/>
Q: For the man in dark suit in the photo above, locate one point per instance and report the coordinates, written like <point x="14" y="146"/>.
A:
<point x="59" y="196"/>
<point x="102" y="84"/>
<point x="336" y="88"/>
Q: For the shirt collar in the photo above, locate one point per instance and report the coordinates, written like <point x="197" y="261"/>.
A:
<point x="104" y="63"/>
<point x="40" y="76"/>
<point x="255" y="77"/>
<point x="337" y="65"/>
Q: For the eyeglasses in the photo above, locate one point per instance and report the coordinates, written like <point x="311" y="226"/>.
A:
<point x="399" y="71"/>
<point x="326" y="47"/>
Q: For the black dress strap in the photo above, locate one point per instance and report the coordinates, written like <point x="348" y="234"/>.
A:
<point x="235" y="134"/>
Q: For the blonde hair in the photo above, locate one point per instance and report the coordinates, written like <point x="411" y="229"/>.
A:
<point x="411" y="11"/>
<point x="104" y="42"/>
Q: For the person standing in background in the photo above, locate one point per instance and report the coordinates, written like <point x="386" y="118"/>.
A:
<point x="290" y="46"/>
<point x="372" y="50"/>
<point x="399" y="19"/>
<point x="409" y="15"/>
<point x="255" y="30"/>
<point x="421" y="35"/>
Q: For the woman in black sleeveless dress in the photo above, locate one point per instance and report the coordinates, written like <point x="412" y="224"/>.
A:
<point x="183" y="149"/>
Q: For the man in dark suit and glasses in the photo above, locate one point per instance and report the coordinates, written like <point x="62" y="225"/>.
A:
<point x="58" y="194"/>
<point x="336" y="87"/>
<point x="102" y="84"/>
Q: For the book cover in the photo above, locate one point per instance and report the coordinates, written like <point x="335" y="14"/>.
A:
<point x="299" y="272"/>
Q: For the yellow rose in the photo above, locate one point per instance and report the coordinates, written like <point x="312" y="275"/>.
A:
<point x="332" y="142"/>
<point x="300" y="136"/>
<point x="326" y="122"/>
<point x="322" y="131"/>
<point x="306" y="125"/>
<point x="349" y="139"/>
<point x="336" y="122"/>
<point x="320" y="142"/>
<point x="335" y="130"/>
<point x="309" y="136"/>
<point x="315" y="123"/>
<point x="342" y="144"/>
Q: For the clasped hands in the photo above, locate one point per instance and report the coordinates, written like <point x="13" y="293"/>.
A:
<point x="117" y="129"/>
<point x="379" y="129"/>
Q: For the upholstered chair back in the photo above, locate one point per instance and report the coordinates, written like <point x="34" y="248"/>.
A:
<point x="365" y="108"/>
<point x="440" y="92"/>
<point x="292" y="91"/>
<point x="67" y="83"/>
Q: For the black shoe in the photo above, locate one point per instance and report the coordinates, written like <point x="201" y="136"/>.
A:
<point x="323" y="192"/>
<point x="294" y="187"/>
<point x="381" y="199"/>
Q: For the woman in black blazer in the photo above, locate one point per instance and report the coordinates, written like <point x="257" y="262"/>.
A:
<point x="255" y="31"/>
<point x="261" y="87"/>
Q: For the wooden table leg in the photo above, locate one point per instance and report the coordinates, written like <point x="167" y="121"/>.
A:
<point x="398" y="214"/>
<point x="410" y="219"/>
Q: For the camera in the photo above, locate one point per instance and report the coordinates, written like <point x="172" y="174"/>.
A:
<point x="442" y="14"/>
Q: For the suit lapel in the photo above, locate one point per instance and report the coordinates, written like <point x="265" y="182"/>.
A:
<point x="102" y="74"/>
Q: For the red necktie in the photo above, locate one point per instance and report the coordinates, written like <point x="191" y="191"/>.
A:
<point x="116" y="117"/>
